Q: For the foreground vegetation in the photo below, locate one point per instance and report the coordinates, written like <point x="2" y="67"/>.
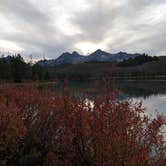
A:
<point x="41" y="127"/>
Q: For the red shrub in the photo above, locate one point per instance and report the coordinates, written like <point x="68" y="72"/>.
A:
<point x="42" y="127"/>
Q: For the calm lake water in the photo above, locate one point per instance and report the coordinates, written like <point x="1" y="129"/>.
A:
<point x="151" y="93"/>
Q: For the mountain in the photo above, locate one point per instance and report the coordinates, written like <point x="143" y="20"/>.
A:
<point x="99" y="56"/>
<point x="46" y="63"/>
<point x="70" y="58"/>
<point x="76" y="58"/>
<point x="123" y="56"/>
<point x="102" y="56"/>
<point x="65" y="58"/>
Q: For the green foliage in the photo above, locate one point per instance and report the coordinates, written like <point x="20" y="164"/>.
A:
<point x="40" y="73"/>
<point x="139" y="60"/>
<point x="16" y="69"/>
<point x="5" y="69"/>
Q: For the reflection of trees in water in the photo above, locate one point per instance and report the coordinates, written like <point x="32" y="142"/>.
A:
<point x="131" y="89"/>
<point x="143" y="89"/>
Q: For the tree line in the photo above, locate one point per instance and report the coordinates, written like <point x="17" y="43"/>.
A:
<point x="14" y="68"/>
<point x="139" y="60"/>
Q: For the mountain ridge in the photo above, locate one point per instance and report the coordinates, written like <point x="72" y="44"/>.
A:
<point x="96" y="56"/>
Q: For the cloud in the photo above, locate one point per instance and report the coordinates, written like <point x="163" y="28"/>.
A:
<point x="32" y="29"/>
<point x="54" y="26"/>
<point x="131" y="25"/>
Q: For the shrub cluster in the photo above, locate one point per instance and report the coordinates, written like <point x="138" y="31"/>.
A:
<point x="41" y="127"/>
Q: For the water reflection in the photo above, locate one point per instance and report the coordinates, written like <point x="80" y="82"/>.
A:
<point x="144" y="89"/>
<point x="153" y="104"/>
<point x="151" y="93"/>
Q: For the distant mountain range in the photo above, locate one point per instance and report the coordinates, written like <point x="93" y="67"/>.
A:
<point x="76" y="58"/>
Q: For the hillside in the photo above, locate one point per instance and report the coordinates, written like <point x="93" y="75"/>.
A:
<point x="96" y="70"/>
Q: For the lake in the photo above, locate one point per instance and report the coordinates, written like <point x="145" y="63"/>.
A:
<point x="151" y="93"/>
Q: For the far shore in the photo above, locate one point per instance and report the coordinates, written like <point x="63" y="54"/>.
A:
<point x="50" y="82"/>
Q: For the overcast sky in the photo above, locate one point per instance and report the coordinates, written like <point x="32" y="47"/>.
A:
<point x="51" y="27"/>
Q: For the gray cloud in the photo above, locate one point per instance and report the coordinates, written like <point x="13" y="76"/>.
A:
<point x="35" y="30"/>
<point x="25" y="17"/>
<point x="127" y="25"/>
